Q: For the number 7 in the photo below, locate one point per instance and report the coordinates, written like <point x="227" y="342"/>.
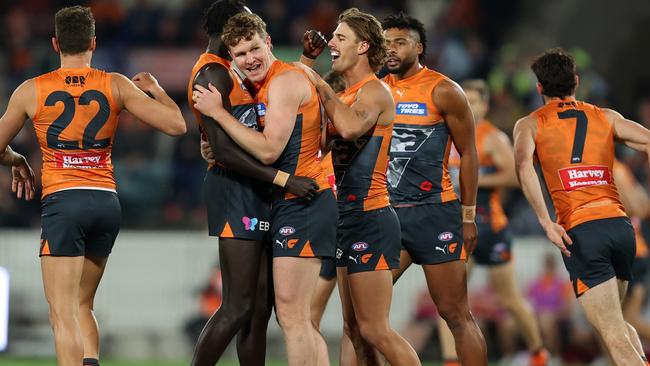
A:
<point x="580" y="135"/>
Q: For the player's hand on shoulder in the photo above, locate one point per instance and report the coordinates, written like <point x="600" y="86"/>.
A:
<point x="22" y="183"/>
<point x="145" y="81"/>
<point x="313" y="43"/>
<point x="558" y="236"/>
<point x="312" y="75"/>
<point x="208" y="101"/>
<point x="303" y="187"/>
<point x="206" y="152"/>
<point x="470" y="235"/>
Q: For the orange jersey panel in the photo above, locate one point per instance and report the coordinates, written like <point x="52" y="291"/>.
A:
<point x="328" y="169"/>
<point x="301" y="155"/>
<point x="241" y="102"/>
<point x="75" y="123"/>
<point x="488" y="200"/>
<point x="575" y="149"/>
<point x="361" y="165"/>
<point x="419" y="153"/>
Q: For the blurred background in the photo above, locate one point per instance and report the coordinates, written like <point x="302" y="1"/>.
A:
<point x="162" y="282"/>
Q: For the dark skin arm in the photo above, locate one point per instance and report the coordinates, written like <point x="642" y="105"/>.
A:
<point x="452" y="102"/>
<point x="228" y="153"/>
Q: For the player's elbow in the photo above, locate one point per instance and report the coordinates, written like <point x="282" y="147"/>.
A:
<point x="177" y="126"/>
<point x="350" y="134"/>
<point x="269" y="157"/>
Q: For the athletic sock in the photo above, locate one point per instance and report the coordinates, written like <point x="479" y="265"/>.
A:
<point x="451" y="363"/>
<point x="91" y="362"/>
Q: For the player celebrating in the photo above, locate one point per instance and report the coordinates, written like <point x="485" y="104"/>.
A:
<point x="238" y="198"/>
<point x="75" y="110"/>
<point x="574" y="144"/>
<point x="302" y="231"/>
<point x="437" y="232"/>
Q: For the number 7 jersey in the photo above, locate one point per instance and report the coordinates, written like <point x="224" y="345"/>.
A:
<point x="75" y="123"/>
<point x="575" y="148"/>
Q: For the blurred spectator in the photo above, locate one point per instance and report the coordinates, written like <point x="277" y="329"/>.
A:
<point x="551" y="296"/>
<point x="210" y="298"/>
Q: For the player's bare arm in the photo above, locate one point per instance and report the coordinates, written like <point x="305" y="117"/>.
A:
<point x="21" y="106"/>
<point x="524" y="134"/>
<point x="223" y="149"/>
<point x="159" y="112"/>
<point x="497" y="145"/>
<point x="452" y="103"/>
<point x="632" y="194"/>
<point x="629" y="132"/>
<point x="286" y="93"/>
<point x="374" y="105"/>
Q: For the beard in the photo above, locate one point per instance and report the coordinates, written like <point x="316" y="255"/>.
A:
<point x="403" y="67"/>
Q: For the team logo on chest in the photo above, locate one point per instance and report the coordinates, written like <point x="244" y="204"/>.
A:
<point x="260" y="108"/>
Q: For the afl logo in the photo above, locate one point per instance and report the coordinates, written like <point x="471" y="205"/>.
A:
<point x="446" y="236"/>
<point x="287" y="230"/>
<point x="360" y="246"/>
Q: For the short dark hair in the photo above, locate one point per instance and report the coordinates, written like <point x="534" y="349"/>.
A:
<point x="403" y="21"/>
<point x="367" y="29"/>
<point x="556" y="72"/>
<point x="216" y="16"/>
<point x="74" y="28"/>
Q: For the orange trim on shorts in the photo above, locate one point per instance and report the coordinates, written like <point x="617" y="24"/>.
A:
<point x="227" y="232"/>
<point x="463" y="253"/>
<point x="45" y="247"/>
<point x="306" y="250"/>
<point x="381" y="264"/>
<point x="581" y="288"/>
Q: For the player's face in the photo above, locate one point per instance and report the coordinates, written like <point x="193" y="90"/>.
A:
<point x="403" y="49"/>
<point x="478" y="105"/>
<point x="253" y="57"/>
<point x="345" y="48"/>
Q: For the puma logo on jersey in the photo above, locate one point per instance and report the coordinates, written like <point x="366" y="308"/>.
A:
<point x="354" y="259"/>
<point x="400" y="92"/>
<point x="443" y="249"/>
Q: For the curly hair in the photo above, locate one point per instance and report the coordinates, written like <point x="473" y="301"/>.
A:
<point x="403" y="21"/>
<point x="242" y="26"/>
<point x="368" y="29"/>
<point x="556" y="71"/>
<point x="216" y="16"/>
<point x="74" y="28"/>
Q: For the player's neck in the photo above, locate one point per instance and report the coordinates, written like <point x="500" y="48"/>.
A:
<point x="217" y="47"/>
<point x="76" y="61"/>
<point x="414" y="69"/>
<point x="358" y="72"/>
<point x="558" y="99"/>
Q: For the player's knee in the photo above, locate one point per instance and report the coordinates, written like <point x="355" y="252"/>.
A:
<point x="290" y="319"/>
<point x="375" y="334"/>
<point x="456" y="315"/>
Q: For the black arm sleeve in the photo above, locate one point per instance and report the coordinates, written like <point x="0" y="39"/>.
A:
<point x="226" y="151"/>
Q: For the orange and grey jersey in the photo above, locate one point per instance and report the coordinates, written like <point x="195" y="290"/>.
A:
<point x="360" y="165"/>
<point x="75" y="123"/>
<point x="241" y="102"/>
<point x="575" y="149"/>
<point x="421" y="143"/>
<point x="621" y="170"/>
<point x="301" y="155"/>
<point x="488" y="200"/>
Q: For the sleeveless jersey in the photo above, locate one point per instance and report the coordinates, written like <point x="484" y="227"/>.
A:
<point x="75" y="123"/>
<point x="419" y="152"/>
<point x="575" y="148"/>
<point x="488" y="200"/>
<point x="241" y="102"/>
<point x="641" y="244"/>
<point x="301" y="155"/>
<point x="360" y="166"/>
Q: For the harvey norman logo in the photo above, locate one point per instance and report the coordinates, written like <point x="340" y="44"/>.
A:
<point x="584" y="176"/>
<point x="81" y="160"/>
<point x="411" y="108"/>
